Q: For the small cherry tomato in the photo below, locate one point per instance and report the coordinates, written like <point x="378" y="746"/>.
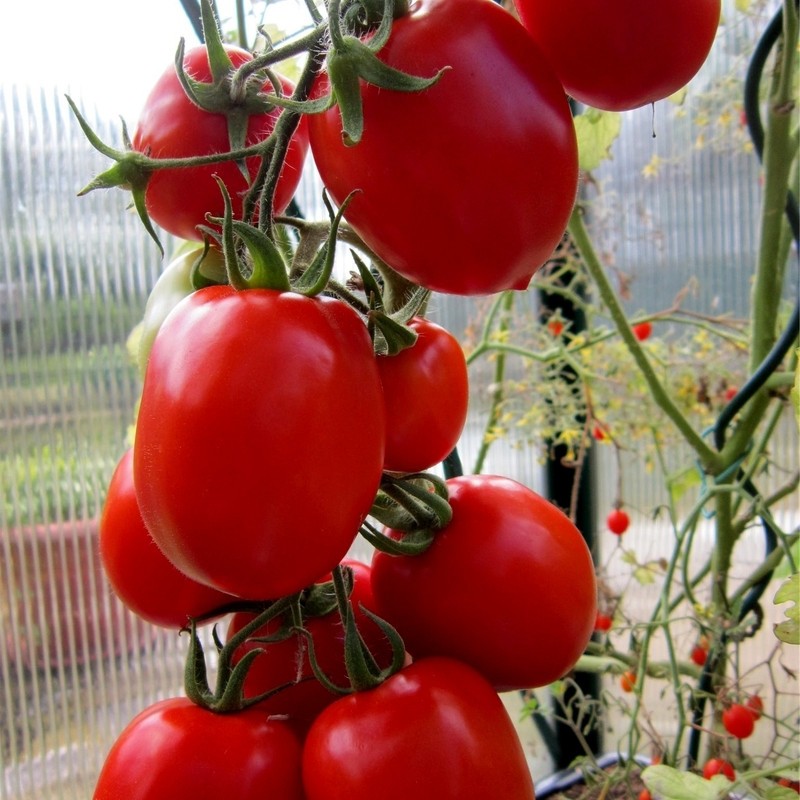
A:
<point x="642" y="331"/>
<point x="756" y="706"/>
<point x="602" y="622"/>
<point x="718" y="766"/>
<point x="618" y="521"/>
<point x="627" y="681"/>
<point x="738" y="720"/>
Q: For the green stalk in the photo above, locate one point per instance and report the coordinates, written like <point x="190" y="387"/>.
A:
<point x="779" y="154"/>
<point x="504" y="304"/>
<point x="583" y="242"/>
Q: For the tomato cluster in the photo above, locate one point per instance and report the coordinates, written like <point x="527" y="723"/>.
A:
<point x="282" y="415"/>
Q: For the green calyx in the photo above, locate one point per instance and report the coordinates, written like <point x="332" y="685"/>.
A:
<point x="351" y="60"/>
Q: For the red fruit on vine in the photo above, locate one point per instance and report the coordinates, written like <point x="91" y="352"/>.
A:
<point x="642" y="331"/>
<point x="602" y="622"/>
<point x="645" y="795"/>
<point x="599" y="434"/>
<point x="790" y="784"/>
<point x="718" y="766"/>
<point x="618" y="521"/>
<point x="738" y="720"/>
<point x="627" y="681"/>
<point x="756" y="706"/>
<point x="556" y="327"/>
<point x="699" y="655"/>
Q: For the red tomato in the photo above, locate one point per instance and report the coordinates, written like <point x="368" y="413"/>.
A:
<point x="618" y="521"/>
<point x="699" y="655"/>
<point x="287" y="660"/>
<point x="466" y="187"/>
<point x="645" y="795"/>
<point x="602" y="622"/>
<point x="172" y="126"/>
<point x="642" y="331"/>
<point x="259" y="441"/>
<point x="627" y="681"/>
<point x="139" y="573"/>
<point x="556" y="327"/>
<point x="738" y="720"/>
<point x="718" y="766"/>
<point x="427" y="393"/>
<point x="509" y="572"/>
<point x="622" y="55"/>
<point x="434" y="730"/>
<point x="756" y="706"/>
<point x="790" y="784"/>
<point x="175" y="750"/>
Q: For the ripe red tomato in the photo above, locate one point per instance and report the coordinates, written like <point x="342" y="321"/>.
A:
<point x="175" y="750"/>
<point x="718" y="766"/>
<point x="790" y="784"/>
<point x="618" y="521"/>
<point x="259" y="441"/>
<point x="756" y="706"/>
<point x="139" y="573"/>
<point x="622" y="56"/>
<point x="738" y="720"/>
<point x="699" y="653"/>
<point x="645" y="795"/>
<point x="434" y="730"/>
<point x="172" y="126"/>
<point x="627" y="681"/>
<point x="642" y="331"/>
<point x="427" y="393"/>
<point x="602" y="622"/>
<point x="556" y="327"/>
<point x="509" y="572"/>
<point x="284" y="661"/>
<point x="466" y="187"/>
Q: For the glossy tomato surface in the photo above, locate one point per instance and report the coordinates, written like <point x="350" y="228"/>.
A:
<point x="287" y="661"/>
<point x="427" y="394"/>
<point x="466" y="187"/>
<point x="508" y="586"/>
<point x="259" y="441"/>
<point x="139" y="573"/>
<point x="172" y="126"/>
<point x="622" y="54"/>
<point x="434" y="731"/>
<point x="175" y="750"/>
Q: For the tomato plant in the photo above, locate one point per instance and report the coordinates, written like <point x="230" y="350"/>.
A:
<point x="622" y="56"/>
<point x="738" y="720"/>
<point x="232" y="441"/>
<point x="174" y="751"/>
<point x="718" y="766"/>
<point x="437" y="183"/>
<point x="434" y="730"/>
<point x="139" y="573"/>
<point x="286" y="660"/>
<point x="618" y="521"/>
<point x="172" y="126"/>
<point x="426" y="391"/>
<point x="509" y="572"/>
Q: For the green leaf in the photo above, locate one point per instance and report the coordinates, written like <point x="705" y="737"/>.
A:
<point x="669" y="783"/>
<point x="643" y="576"/>
<point x="681" y="483"/>
<point x="596" y="131"/>
<point x="789" y="592"/>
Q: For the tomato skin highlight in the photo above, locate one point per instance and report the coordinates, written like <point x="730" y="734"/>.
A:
<point x="175" y="750"/>
<point x="233" y="440"/>
<point x="509" y="572"/>
<point x="426" y="390"/>
<point x="172" y="126"/>
<point x="451" y="202"/>
<point x="622" y="55"/>
<point x="287" y="660"/>
<point x="434" y="730"/>
<point x="139" y="573"/>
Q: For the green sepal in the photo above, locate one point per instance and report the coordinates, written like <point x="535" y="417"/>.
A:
<point x="195" y="676"/>
<point x="231" y="698"/>
<point x="394" y="336"/>
<point x="314" y="279"/>
<point x="269" y="268"/>
<point x="346" y="91"/>
<point x="413" y="543"/>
